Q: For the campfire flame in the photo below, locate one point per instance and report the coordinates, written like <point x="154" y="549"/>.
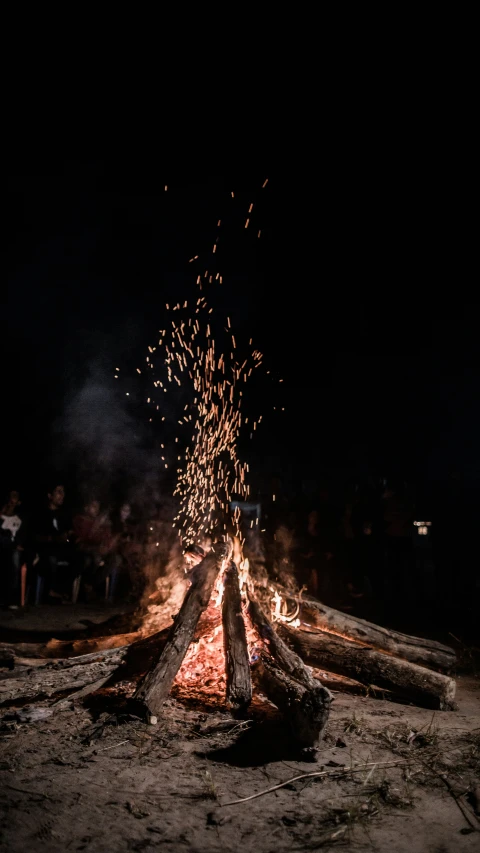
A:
<point x="243" y="574"/>
<point x="219" y="588"/>
<point x="279" y="611"/>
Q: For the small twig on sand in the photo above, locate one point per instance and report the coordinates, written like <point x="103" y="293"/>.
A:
<point x="114" y="745"/>
<point x="444" y="779"/>
<point x="453" y="795"/>
<point x="336" y="772"/>
<point x="30" y="793"/>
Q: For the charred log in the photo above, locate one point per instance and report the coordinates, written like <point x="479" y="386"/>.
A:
<point x="415" y="649"/>
<point x="52" y="678"/>
<point x="404" y="679"/>
<point x="305" y="709"/>
<point x="237" y="664"/>
<point x="72" y="649"/>
<point x="155" y="687"/>
<point x="342" y="684"/>
<point x="287" y="659"/>
<point x="36" y="679"/>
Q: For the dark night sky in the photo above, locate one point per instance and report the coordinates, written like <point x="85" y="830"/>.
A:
<point x="355" y="294"/>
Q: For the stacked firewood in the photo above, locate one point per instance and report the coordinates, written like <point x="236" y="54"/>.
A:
<point x="280" y="664"/>
<point x="292" y="663"/>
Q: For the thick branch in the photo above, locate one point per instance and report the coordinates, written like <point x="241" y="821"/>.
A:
<point x="287" y="659"/>
<point x="237" y="664"/>
<point x="155" y="687"/>
<point x="45" y="681"/>
<point x="415" y="649"/>
<point x="407" y="680"/>
<point x="305" y="709"/>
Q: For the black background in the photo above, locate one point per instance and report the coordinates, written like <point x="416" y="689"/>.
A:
<point x="359" y="293"/>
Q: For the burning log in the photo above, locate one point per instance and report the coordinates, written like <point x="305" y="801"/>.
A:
<point x="287" y="659"/>
<point x="404" y="679"/>
<point x="155" y="687"/>
<point x="415" y="649"/>
<point x="305" y="708"/>
<point x="289" y="684"/>
<point x="237" y="664"/>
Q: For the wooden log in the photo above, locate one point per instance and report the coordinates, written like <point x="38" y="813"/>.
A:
<point x="307" y="713"/>
<point x="419" y="650"/>
<point x="63" y="649"/>
<point x="342" y="684"/>
<point x="155" y="687"/>
<point x="407" y="680"/>
<point x="287" y="659"/>
<point x="37" y="679"/>
<point x="46" y="681"/>
<point x="34" y="671"/>
<point x="305" y="708"/>
<point x="237" y="664"/>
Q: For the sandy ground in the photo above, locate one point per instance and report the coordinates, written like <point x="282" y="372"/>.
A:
<point x="75" y="775"/>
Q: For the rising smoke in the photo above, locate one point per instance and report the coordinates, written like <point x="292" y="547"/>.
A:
<point x="103" y="438"/>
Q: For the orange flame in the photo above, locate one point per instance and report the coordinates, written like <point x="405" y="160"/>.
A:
<point x="280" y="611"/>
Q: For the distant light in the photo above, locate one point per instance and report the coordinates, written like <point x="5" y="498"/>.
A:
<point x="422" y="527"/>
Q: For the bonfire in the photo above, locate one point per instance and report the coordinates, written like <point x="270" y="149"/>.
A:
<point x="240" y="641"/>
<point x="234" y="635"/>
<point x="237" y="636"/>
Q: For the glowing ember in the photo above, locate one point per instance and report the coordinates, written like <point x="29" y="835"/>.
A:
<point x="202" y="674"/>
<point x="210" y="366"/>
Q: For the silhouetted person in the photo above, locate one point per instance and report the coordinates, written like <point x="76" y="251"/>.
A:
<point x="318" y="569"/>
<point x="95" y="542"/>
<point x="12" y="549"/>
<point x="58" y="561"/>
<point x="127" y="552"/>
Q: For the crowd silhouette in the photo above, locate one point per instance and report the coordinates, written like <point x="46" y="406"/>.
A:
<point x="374" y="548"/>
<point x="387" y="551"/>
<point x="50" y="554"/>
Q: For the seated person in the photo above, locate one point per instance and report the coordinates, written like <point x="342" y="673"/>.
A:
<point x="128" y="548"/>
<point x="52" y="534"/>
<point x="316" y="566"/>
<point x="11" y="549"/>
<point x="95" y="542"/>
